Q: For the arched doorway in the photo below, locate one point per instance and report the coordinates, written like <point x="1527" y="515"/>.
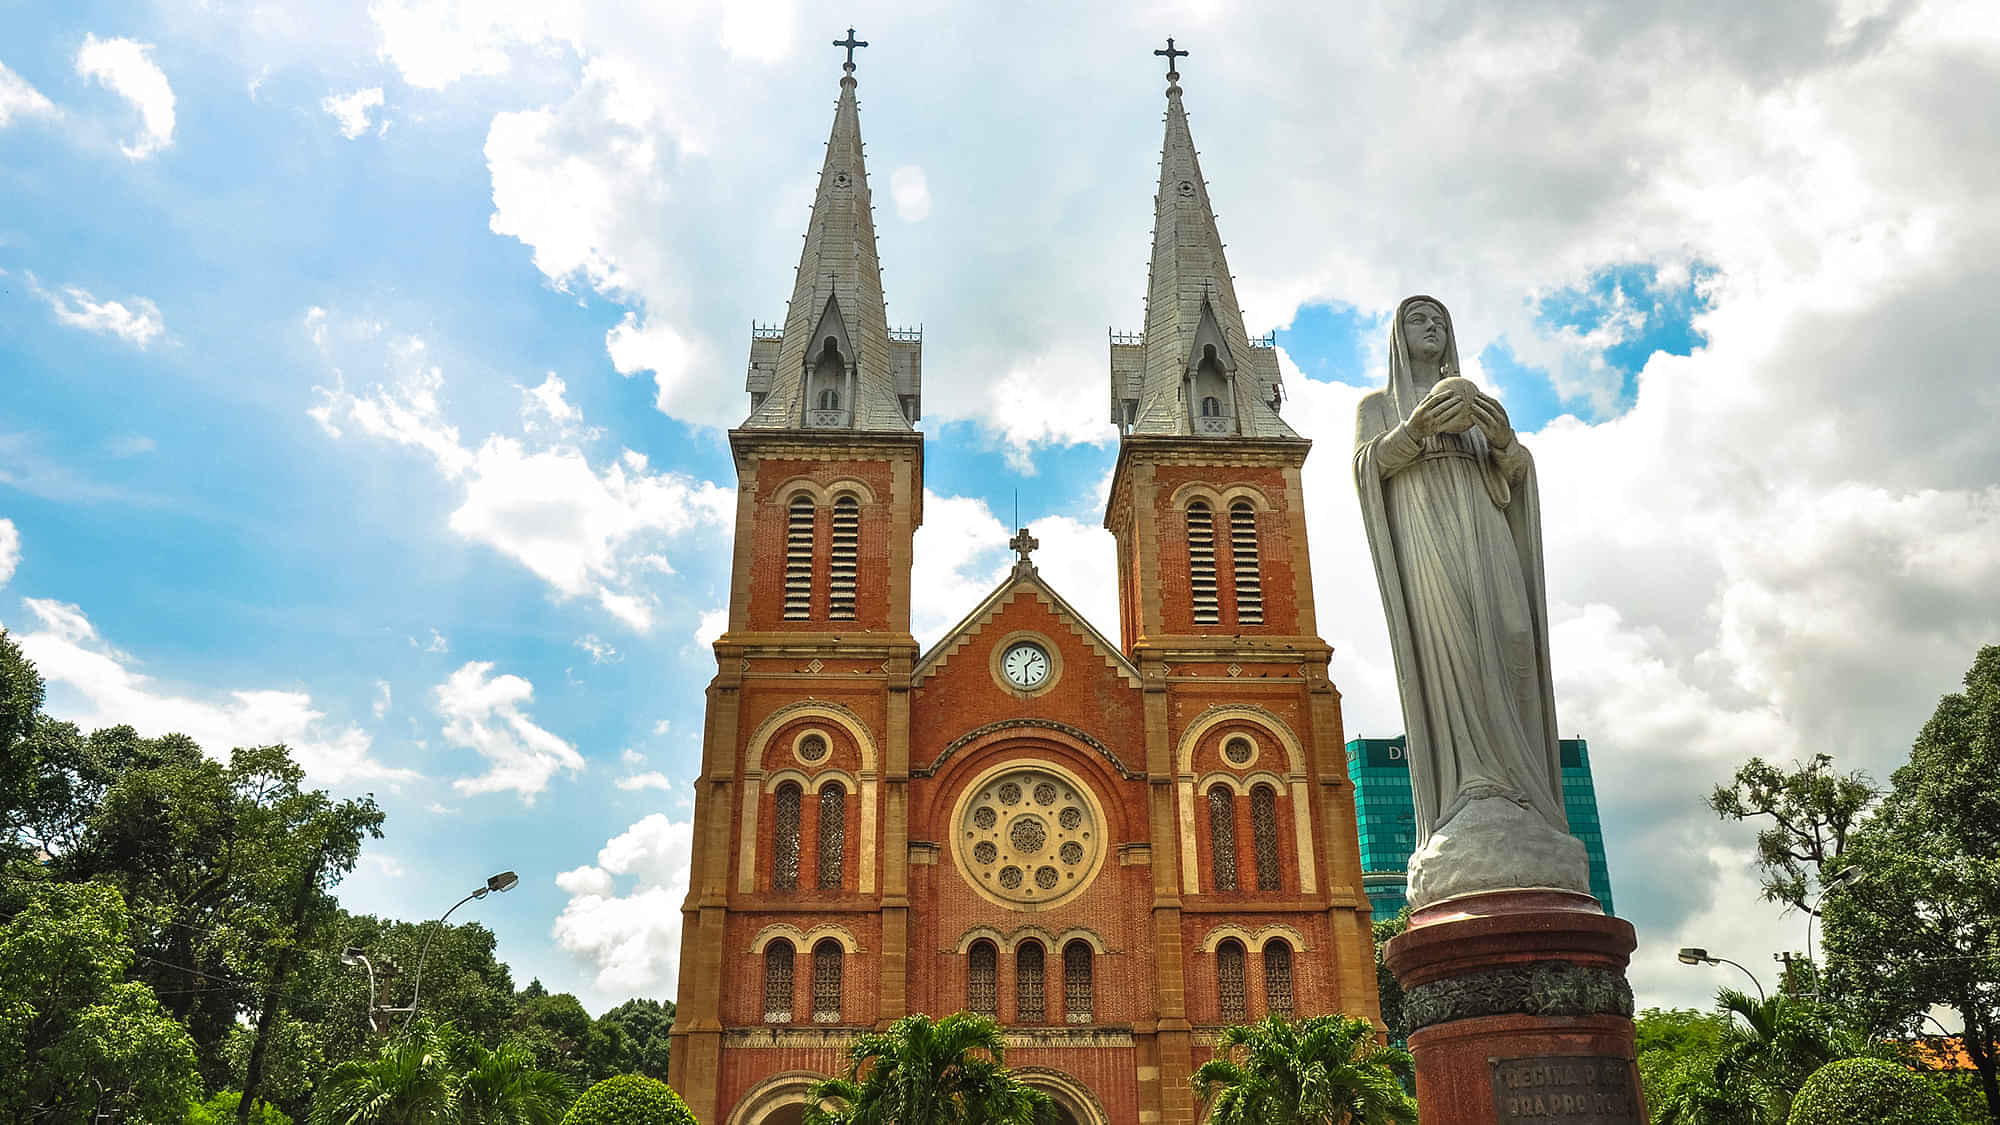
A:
<point x="777" y="1100"/>
<point x="1074" y="1104"/>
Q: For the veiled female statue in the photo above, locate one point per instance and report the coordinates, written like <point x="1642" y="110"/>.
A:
<point x="1454" y="524"/>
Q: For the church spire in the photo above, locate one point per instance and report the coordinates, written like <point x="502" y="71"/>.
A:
<point x="835" y="364"/>
<point x="1195" y="371"/>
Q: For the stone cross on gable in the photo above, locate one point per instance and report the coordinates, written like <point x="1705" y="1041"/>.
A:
<point x="851" y="42"/>
<point x="1023" y="543"/>
<point x="1171" y="54"/>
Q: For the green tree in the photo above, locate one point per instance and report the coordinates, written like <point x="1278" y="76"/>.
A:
<point x="927" y="1072"/>
<point x="20" y="767"/>
<point x="645" y="1027"/>
<point x="1386" y="984"/>
<point x="1673" y="1042"/>
<point x="76" y="1038"/>
<point x="1323" y="1070"/>
<point x="1772" y="1045"/>
<point x="1922" y="925"/>
<point x="221" y="1110"/>
<point x="439" y="1076"/>
<point x="1854" y="1090"/>
<point x="630" y="1099"/>
<point x="1813" y="811"/>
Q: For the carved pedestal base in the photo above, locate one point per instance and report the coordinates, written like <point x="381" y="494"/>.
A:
<point x="1520" y="1011"/>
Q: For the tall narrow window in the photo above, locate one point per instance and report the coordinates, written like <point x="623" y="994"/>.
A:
<point x="1229" y="981"/>
<point x="826" y="981"/>
<point x="982" y="995"/>
<point x="1243" y="553"/>
<point x="845" y="566"/>
<point x="785" y="847"/>
<point x="1278" y="977"/>
<point x="1201" y="563"/>
<point x="799" y="558"/>
<point x="1076" y="982"/>
<point x="1211" y="407"/>
<point x="832" y="834"/>
<point x="1222" y="836"/>
<point x="1264" y="826"/>
<point x="1030" y="1004"/>
<point x="829" y="399"/>
<point x="778" y="982"/>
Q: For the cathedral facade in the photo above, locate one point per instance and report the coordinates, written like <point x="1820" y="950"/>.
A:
<point x="1115" y="847"/>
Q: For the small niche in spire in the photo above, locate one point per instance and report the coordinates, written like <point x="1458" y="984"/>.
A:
<point x="829" y="373"/>
<point x="1211" y="375"/>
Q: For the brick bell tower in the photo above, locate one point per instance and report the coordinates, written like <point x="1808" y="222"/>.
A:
<point x="807" y="726"/>
<point x="1216" y="604"/>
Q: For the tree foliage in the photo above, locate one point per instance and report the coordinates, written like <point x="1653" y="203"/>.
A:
<point x="221" y="1110"/>
<point x="1812" y="810"/>
<point x="1386" y="985"/>
<point x="1852" y="1090"/>
<point x="630" y="1099"/>
<point x="439" y="1076"/>
<point x="1323" y="1070"/>
<point x="927" y="1072"/>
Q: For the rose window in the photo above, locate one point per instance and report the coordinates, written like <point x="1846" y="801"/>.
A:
<point x="1028" y="835"/>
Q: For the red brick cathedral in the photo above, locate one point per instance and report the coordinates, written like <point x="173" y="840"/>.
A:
<point x="1115" y="848"/>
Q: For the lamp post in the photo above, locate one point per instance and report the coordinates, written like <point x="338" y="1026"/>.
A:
<point x="352" y="955"/>
<point x="1846" y="877"/>
<point x="1692" y="955"/>
<point x="503" y="882"/>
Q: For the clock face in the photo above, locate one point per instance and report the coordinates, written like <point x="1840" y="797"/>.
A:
<point x="1025" y="665"/>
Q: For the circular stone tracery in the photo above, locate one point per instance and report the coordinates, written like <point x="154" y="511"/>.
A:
<point x="1028" y="835"/>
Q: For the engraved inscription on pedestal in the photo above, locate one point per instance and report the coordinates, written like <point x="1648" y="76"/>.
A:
<point x="1565" y="1090"/>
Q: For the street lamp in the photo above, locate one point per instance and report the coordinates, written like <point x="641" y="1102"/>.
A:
<point x="1846" y="877"/>
<point x="352" y="955"/>
<point x="1691" y="955"/>
<point x="496" y="884"/>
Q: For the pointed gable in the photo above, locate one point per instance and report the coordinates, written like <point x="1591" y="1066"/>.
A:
<point x="1024" y="581"/>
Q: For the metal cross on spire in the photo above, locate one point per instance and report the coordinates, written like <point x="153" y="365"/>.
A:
<point x="1173" y="72"/>
<point x="851" y="42"/>
<point x="1023" y="544"/>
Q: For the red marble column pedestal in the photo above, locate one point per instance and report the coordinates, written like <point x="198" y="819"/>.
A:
<point x="1520" y="1011"/>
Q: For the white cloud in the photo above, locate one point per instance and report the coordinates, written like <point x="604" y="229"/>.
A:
<point x="632" y="940"/>
<point x="631" y="757"/>
<point x="662" y="727"/>
<point x="437" y="643"/>
<point x="651" y="779"/>
<point x="487" y="714"/>
<point x="912" y="193"/>
<point x="19" y="99"/>
<point x="382" y="697"/>
<point x="126" y="68"/>
<point x="10" y="550"/>
<point x="961" y="554"/>
<point x="132" y="445"/>
<point x="95" y="685"/>
<point x="138" y="324"/>
<point x="352" y="111"/>
<point x="600" y="652"/>
<point x="713" y="624"/>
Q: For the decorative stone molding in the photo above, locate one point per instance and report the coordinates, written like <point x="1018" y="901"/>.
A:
<point x="1064" y="729"/>
<point x="1546" y="988"/>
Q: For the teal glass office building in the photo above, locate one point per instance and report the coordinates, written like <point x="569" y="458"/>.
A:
<point x="1386" y="816"/>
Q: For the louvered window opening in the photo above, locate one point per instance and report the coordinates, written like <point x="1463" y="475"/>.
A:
<point x="1030" y="997"/>
<point x="826" y="982"/>
<point x="982" y="994"/>
<point x="1222" y="836"/>
<point x="846" y="566"/>
<point x="1264" y="826"/>
<point x="799" y="559"/>
<point x="785" y="848"/>
<point x="1278" y="978"/>
<point x="778" y="982"/>
<point x="832" y="834"/>
<point x="1201" y="563"/>
<point x="1076" y="982"/>
<point x="1243" y="556"/>
<point x="1229" y="981"/>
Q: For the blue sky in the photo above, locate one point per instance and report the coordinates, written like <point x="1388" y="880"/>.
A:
<point x="365" y="373"/>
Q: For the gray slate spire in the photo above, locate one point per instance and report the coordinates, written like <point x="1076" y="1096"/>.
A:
<point x="873" y="374"/>
<point x="1159" y="382"/>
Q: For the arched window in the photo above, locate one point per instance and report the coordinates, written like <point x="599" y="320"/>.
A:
<point x="1076" y="982"/>
<point x="1243" y="556"/>
<point x="778" y="982"/>
<point x="829" y="399"/>
<point x="1229" y="981"/>
<point x="785" y="845"/>
<point x="1264" y="828"/>
<point x="826" y="981"/>
<point x="799" y="558"/>
<point x="845" y="563"/>
<point x="1030" y="1004"/>
<point x="832" y="834"/>
<point x="1278" y="977"/>
<point x="1201" y="563"/>
<point x="1211" y="407"/>
<point x="982" y="994"/>
<point x="1222" y="836"/>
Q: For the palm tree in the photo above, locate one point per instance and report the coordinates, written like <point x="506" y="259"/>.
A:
<point x="1772" y="1045"/>
<point x="439" y="1076"/>
<point x="923" y="1072"/>
<point x="1323" y="1070"/>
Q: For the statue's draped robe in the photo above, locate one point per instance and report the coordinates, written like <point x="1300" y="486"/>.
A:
<point x="1455" y="530"/>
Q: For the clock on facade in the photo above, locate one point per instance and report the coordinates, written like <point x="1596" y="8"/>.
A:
<point x="1025" y="665"/>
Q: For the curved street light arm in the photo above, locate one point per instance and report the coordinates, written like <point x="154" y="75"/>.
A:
<point x="1746" y="972"/>
<point x="416" y="990"/>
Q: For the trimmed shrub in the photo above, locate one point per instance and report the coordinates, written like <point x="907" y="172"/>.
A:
<point x="630" y="1099"/>
<point x="1855" y="1090"/>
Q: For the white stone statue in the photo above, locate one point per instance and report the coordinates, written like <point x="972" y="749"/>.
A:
<point x="1454" y="524"/>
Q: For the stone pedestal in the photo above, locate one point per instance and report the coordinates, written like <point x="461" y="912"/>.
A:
<point x="1519" y="1011"/>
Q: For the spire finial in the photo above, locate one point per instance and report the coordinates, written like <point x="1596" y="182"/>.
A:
<point x="851" y="42"/>
<point x="1023" y="544"/>
<point x="1173" y="72"/>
